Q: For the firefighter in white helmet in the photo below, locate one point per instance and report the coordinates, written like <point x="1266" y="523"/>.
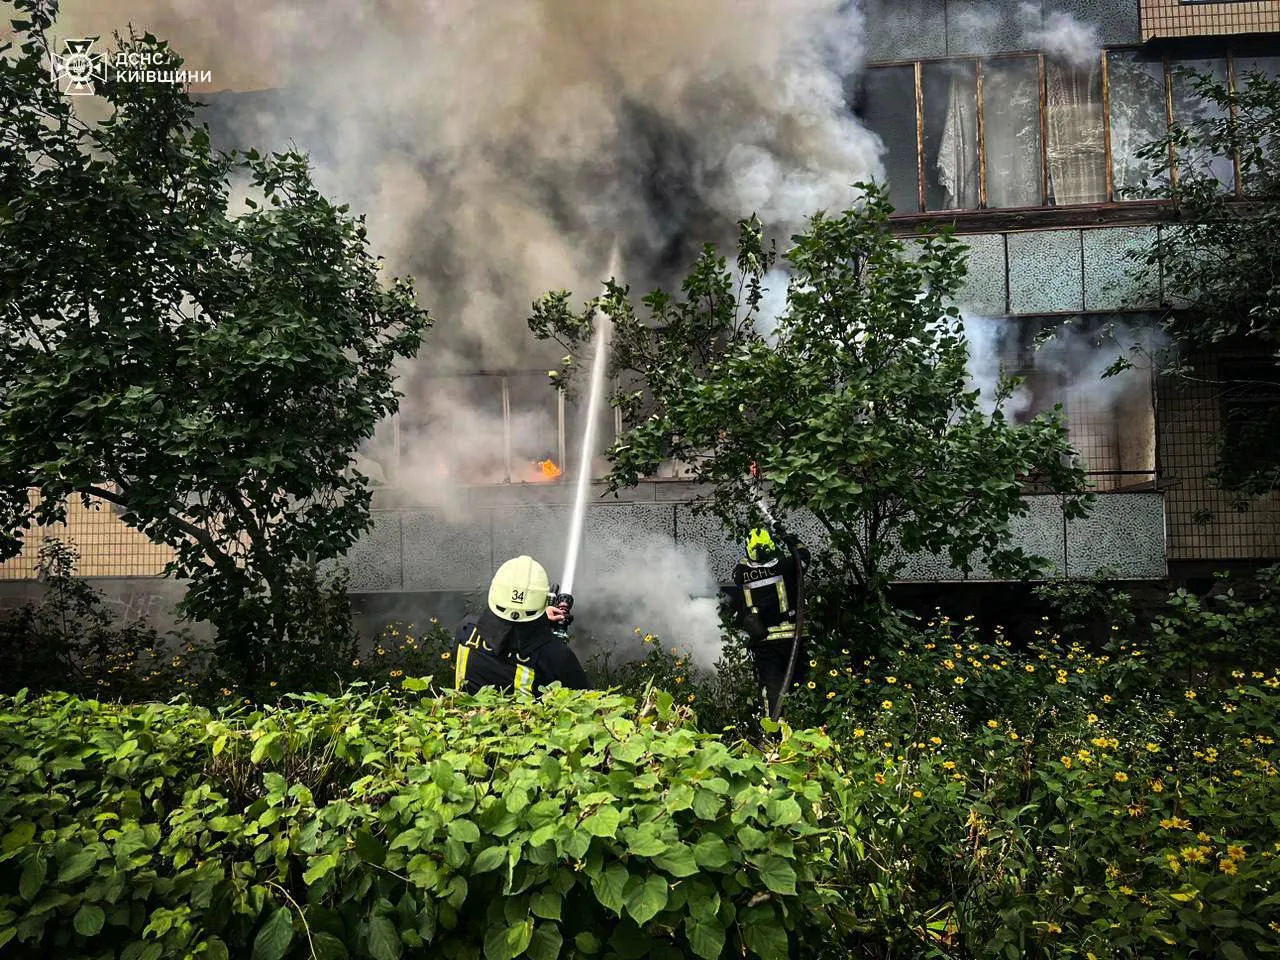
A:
<point x="517" y="642"/>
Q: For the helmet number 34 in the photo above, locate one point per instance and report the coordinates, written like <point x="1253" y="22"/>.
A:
<point x="517" y="596"/>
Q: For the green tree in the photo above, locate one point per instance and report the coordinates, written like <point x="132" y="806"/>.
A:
<point x="856" y="406"/>
<point x="206" y="371"/>
<point x="1217" y="260"/>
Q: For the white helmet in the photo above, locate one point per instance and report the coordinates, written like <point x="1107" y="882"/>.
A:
<point x="520" y="590"/>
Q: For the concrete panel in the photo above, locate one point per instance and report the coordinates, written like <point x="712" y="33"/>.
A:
<point x="375" y="559"/>
<point x="985" y="289"/>
<point x="1116" y="21"/>
<point x="905" y="29"/>
<point x="1106" y="267"/>
<point x="984" y="27"/>
<point x="1125" y="532"/>
<point x="1045" y="275"/>
<point x="1039" y="532"/>
<point x="707" y="532"/>
<point x="540" y="531"/>
<point x="446" y="556"/>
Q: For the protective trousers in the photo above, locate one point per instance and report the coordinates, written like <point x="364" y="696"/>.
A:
<point x="770" y="660"/>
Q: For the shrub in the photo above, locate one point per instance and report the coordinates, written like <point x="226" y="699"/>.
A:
<point x="1053" y="801"/>
<point x="573" y="826"/>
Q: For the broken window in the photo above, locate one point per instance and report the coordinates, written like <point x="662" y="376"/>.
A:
<point x="1250" y="391"/>
<point x="1011" y="115"/>
<point x="452" y="430"/>
<point x="1139" y="116"/>
<point x="1076" y="151"/>
<point x="888" y="108"/>
<point x="1196" y="112"/>
<point x="950" y="95"/>
<point x="534" y="438"/>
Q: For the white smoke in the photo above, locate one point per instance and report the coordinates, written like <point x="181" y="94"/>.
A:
<point x="1060" y="35"/>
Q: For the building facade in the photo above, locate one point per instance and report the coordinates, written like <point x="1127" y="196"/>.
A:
<point x="1017" y="124"/>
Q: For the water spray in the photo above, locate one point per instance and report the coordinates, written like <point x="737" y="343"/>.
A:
<point x="595" y="397"/>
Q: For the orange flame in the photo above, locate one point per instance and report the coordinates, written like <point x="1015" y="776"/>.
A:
<point x="548" y="469"/>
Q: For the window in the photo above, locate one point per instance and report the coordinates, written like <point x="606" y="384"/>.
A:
<point x="1191" y="108"/>
<point x="1076" y="151"/>
<point x="1139" y="115"/>
<point x="1027" y="130"/>
<point x="1011" y="111"/>
<point x="1110" y="421"/>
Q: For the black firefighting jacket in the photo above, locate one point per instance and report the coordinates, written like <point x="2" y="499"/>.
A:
<point x="490" y="651"/>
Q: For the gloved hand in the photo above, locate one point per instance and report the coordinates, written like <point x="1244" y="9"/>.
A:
<point x="559" y="607"/>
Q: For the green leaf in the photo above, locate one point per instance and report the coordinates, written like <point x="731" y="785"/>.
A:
<point x="678" y="860"/>
<point x="329" y="947"/>
<point x="646" y="899"/>
<point x="706" y="936"/>
<point x="778" y="875"/>
<point x="384" y="941"/>
<point x="645" y="841"/>
<point x="89" y="920"/>
<point x="18" y="837"/>
<point x="320" y="868"/>
<point x="546" y="942"/>
<point x="490" y="858"/>
<point x="767" y="939"/>
<point x="711" y="853"/>
<point x="587" y="942"/>
<point x="370" y="849"/>
<point x="1231" y="951"/>
<point x="32" y="879"/>
<point x="610" y="885"/>
<point x="77" y="866"/>
<point x="507" y="943"/>
<point x="464" y="831"/>
<point x="546" y="904"/>
<point x="603" y="823"/>
<point x="272" y="941"/>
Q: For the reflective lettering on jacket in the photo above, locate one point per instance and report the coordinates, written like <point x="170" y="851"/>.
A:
<point x="524" y="679"/>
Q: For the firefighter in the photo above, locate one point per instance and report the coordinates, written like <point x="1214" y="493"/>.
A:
<point x="768" y="582"/>
<point x="519" y="641"/>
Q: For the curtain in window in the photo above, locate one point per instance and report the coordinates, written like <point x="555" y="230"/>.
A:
<point x="1076" y="151"/>
<point x="958" y="150"/>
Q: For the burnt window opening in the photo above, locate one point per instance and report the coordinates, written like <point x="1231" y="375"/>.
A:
<point x="1249" y="454"/>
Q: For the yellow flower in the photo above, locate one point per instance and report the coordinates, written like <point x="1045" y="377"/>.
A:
<point x="1177" y="823"/>
<point x="694" y="696"/>
<point x="859" y="732"/>
<point x="1106" y="698"/>
<point x="1066" y="762"/>
<point x="396" y="673"/>
<point x="1029" y="668"/>
<point x="1093" y="718"/>
<point x="959" y="681"/>
<point x="1121" y="777"/>
<point x="886" y="705"/>
<point x="1203" y="837"/>
<point x="226" y="692"/>
<point x="936" y="741"/>
<point x="273" y="683"/>
<point x="1013" y="735"/>
<point x="1190" y="694"/>
<point x="1153" y="748"/>
<point x="1127" y="891"/>
<point x="1228" y="867"/>
<point x="680" y="680"/>
<point x="993" y="724"/>
<point x="879" y="778"/>
<point x="1157" y="786"/>
<point x="445" y="655"/>
<point x="355" y="662"/>
<point x="948" y="764"/>
<point x="949" y="664"/>
<point x="813" y="663"/>
<point x="831" y="694"/>
<point x="890" y="679"/>
<point x="918" y="794"/>
<point x="1235" y="852"/>
<point x="1192" y="854"/>
<point x="811" y="685"/>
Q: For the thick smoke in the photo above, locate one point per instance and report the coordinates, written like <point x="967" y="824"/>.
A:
<point x="1060" y="35"/>
<point x="501" y="149"/>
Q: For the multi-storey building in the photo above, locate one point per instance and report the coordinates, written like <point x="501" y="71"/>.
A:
<point x="1019" y="125"/>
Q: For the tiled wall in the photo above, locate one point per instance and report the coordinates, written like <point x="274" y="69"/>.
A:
<point x="1177" y="18"/>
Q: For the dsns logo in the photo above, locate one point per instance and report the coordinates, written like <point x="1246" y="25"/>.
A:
<point x="78" y="67"/>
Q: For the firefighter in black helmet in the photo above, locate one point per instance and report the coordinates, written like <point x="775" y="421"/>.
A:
<point x="768" y="582"/>
<point x="517" y="643"/>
